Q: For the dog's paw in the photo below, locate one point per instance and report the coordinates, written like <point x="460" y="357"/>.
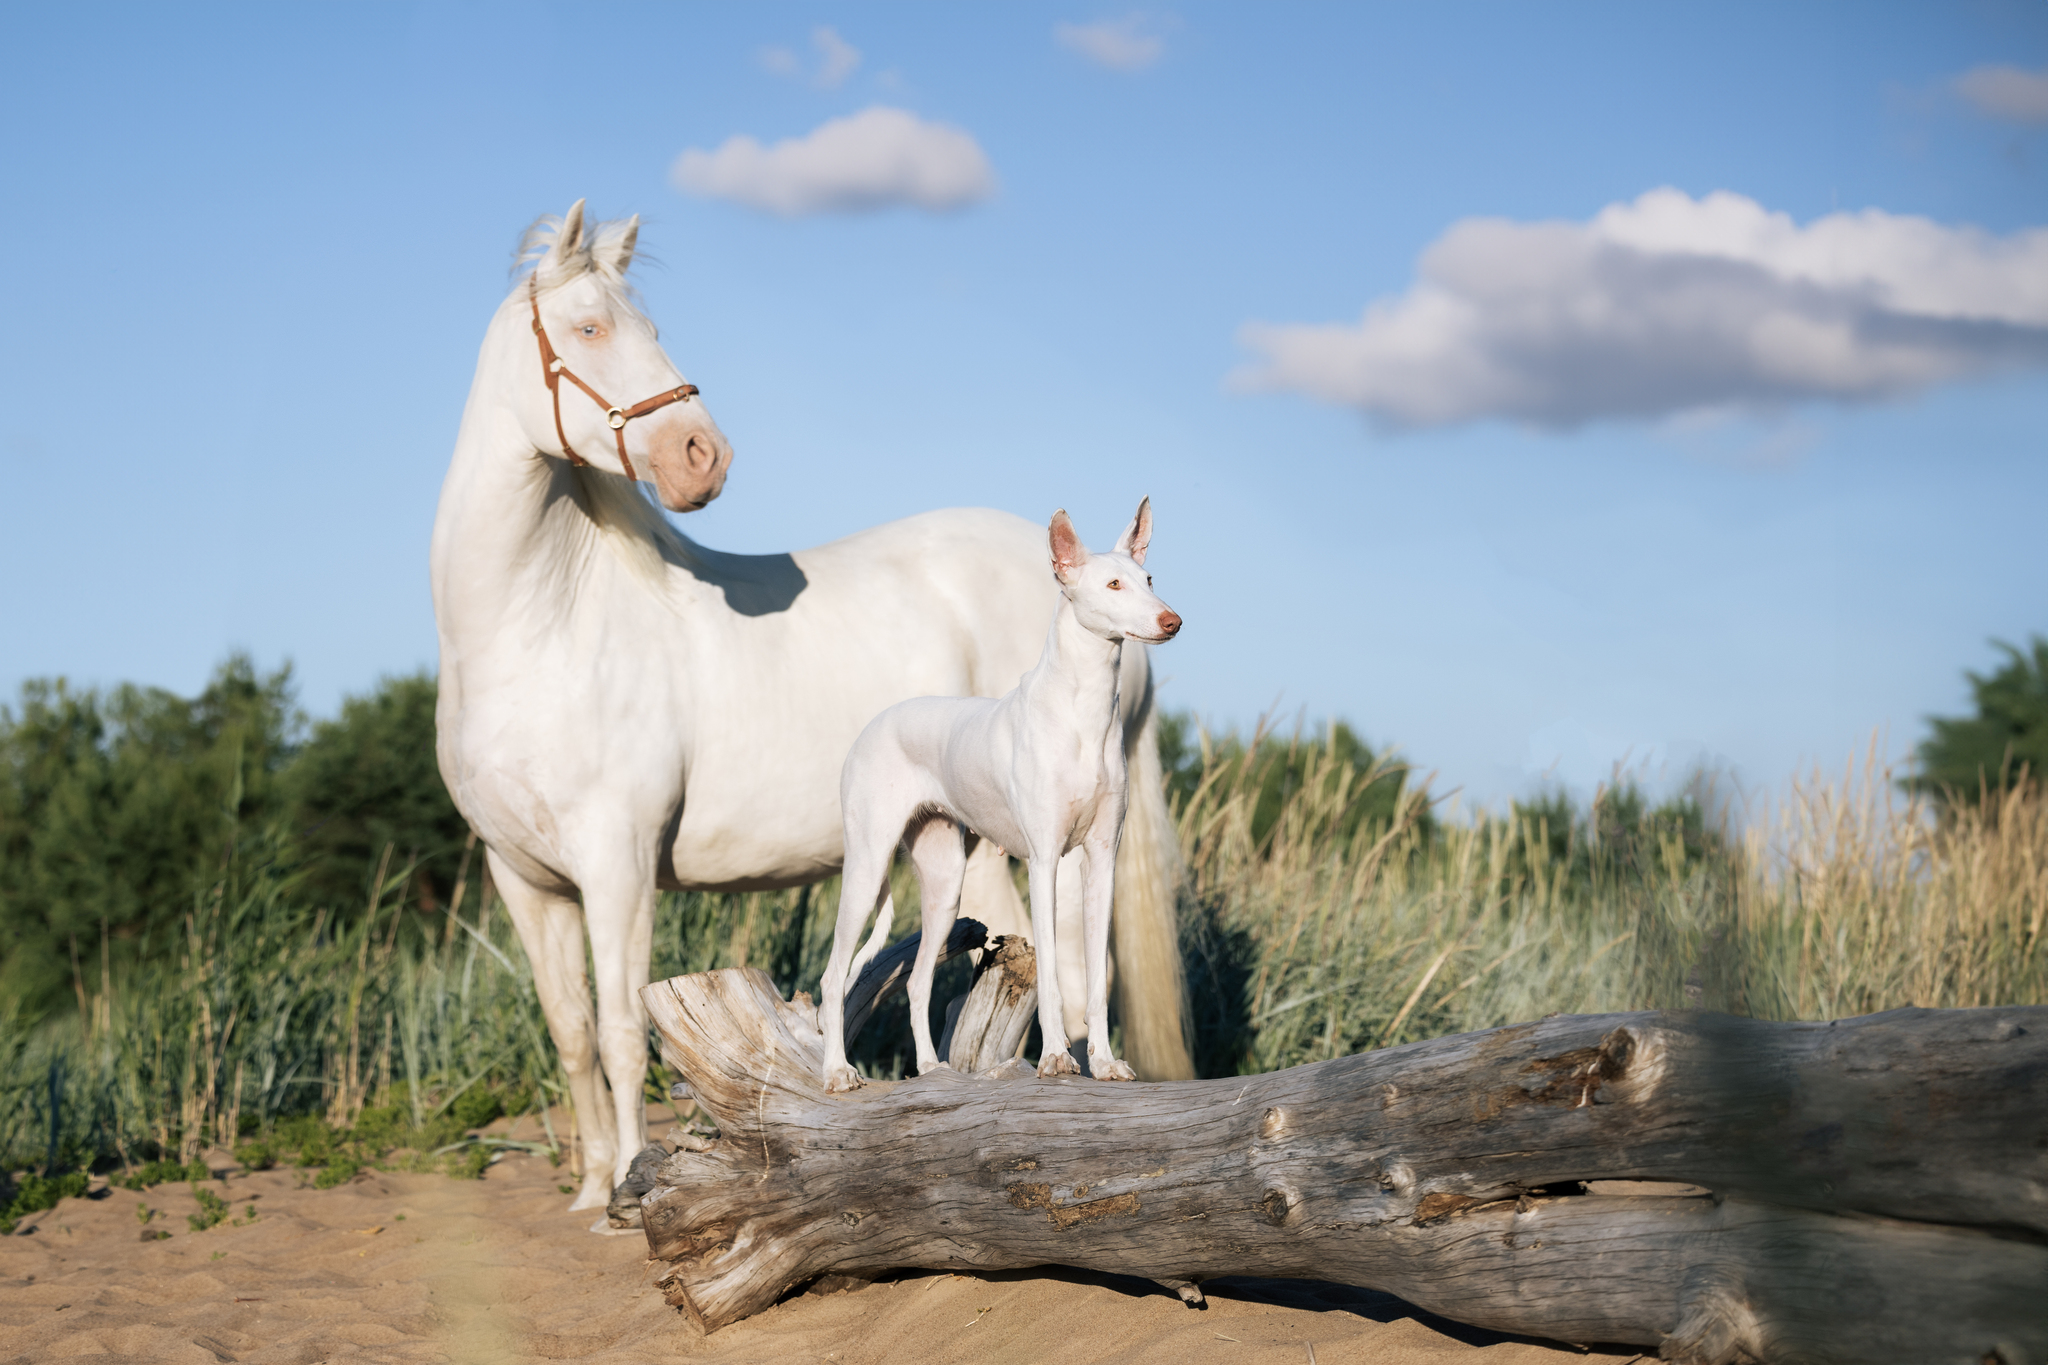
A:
<point x="1110" y="1069"/>
<point x="842" y="1078"/>
<point x="1060" y="1063"/>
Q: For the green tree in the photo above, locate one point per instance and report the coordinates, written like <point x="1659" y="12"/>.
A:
<point x="368" y="779"/>
<point x="1968" y="756"/>
<point x="1276" y="765"/>
<point x="117" y="808"/>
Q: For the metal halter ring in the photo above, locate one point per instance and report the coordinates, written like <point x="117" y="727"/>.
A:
<point x="616" y="418"/>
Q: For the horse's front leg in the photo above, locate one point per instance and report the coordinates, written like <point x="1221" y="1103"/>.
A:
<point x="551" y="931"/>
<point x="1099" y="873"/>
<point x="620" y="914"/>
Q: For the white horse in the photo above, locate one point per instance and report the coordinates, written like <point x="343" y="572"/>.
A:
<point x="623" y="710"/>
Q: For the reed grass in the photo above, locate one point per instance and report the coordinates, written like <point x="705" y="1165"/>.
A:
<point x="1325" y="938"/>
<point x="334" y="1041"/>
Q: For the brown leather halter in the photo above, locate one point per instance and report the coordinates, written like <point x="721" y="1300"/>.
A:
<point x="554" y="371"/>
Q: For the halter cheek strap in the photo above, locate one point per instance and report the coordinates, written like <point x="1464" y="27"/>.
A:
<point x="554" y="371"/>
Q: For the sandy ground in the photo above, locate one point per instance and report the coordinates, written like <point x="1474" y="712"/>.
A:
<point x="396" y="1267"/>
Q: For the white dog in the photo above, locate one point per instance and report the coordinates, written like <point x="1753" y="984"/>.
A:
<point x="1039" y="770"/>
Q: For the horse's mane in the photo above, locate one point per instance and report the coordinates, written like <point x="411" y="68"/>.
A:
<point x="636" y="528"/>
<point x="594" y="253"/>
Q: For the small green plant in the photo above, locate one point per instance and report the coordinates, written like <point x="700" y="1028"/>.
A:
<point x="143" y="1213"/>
<point x="255" y="1156"/>
<point x="566" y="1189"/>
<point x="338" y="1171"/>
<point x="162" y="1173"/>
<point x="213" y="1210"/>
<point x="38" y="1192"/>
<point x="469" y="1163"/>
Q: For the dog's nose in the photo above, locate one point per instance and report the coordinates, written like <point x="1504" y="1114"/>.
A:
<point x="1169" y="624"/>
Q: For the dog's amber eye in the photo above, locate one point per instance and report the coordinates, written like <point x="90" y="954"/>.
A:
<point x="1116" y="585"/>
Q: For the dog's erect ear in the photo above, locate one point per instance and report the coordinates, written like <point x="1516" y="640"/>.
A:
<point x="1068" y="553"/>
<point x="1138" y="534"/>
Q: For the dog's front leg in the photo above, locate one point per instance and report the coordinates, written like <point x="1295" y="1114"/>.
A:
<point x="1099" y="862"/>
<point x="1053" y="1057"/>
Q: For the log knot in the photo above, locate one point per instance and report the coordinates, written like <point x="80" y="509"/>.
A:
<point x="1573" y="1079"/>
<point x="1035" y="1194"/>
<point x="1716" y="1324"/>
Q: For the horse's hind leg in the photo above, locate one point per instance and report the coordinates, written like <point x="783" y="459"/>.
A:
<point x="551" y="931"/>
<point x="938" y="852"/>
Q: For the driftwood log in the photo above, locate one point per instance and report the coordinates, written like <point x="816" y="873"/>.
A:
<point x="1872" y="1190"/>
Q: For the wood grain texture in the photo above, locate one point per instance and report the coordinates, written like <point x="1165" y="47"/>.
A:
<point x="889" y="971"/>
<point x="989" y="1025"/>
<point x="1444" y="1171"/>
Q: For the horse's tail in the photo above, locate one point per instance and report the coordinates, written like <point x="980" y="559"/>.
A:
<point x="1151" y="986"/>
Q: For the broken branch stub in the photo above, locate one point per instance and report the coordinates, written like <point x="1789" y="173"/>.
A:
<point x="1879" y="1191"/>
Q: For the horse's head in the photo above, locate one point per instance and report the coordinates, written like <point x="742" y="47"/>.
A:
<point x="602" y="391"/>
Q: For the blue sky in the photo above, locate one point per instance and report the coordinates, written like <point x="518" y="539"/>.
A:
<point x="255" y="250"/>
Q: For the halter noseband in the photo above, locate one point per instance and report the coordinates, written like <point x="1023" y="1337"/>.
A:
<point x="554" y="371"/>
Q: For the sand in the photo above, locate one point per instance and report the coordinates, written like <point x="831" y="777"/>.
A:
<point x="401" y="1267"/>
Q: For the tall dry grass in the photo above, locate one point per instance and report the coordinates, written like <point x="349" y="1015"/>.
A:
<point x="1323" y="938"/>
<point x="1309" y="933"/>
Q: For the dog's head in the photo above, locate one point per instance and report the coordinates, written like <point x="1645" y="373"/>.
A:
<point x="1112" y="593"/>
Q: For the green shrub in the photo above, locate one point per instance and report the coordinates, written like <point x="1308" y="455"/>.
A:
<point x="36" y="1193"/>
<point x="162" y="1173"/>
<point x="469" y="1163"/>
<point x="213" y="1209"/>
<point x="476" y="1106"/>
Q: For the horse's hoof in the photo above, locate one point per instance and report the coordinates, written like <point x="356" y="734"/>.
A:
<point x="842" y="1078"/>
<point x="1060" y="1063"/>
<point x="937" y="1065"/>
<point x="1110" y="1069"/>
<point x="595" y="1194"/>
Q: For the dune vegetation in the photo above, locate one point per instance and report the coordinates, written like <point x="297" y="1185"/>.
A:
<point x="1330" y="905"/>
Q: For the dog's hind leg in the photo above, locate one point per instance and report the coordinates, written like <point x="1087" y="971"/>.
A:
<point x="938" y="852"/>
<point x="862" y="885"/>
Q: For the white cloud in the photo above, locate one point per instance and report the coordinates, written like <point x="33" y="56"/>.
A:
<point x="1126" y="44"/>
<point x="878" y="158"/>
<point x="837" y="59"/>
<point x="1671" y="304"/>
<point x="2007" y="92"/>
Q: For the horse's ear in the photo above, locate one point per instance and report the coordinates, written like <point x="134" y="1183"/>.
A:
<point x="1138" y="535"/>
<point x="1068" y="553"/>
<point x="569" y="241"/>
<point x="619" y="251"/>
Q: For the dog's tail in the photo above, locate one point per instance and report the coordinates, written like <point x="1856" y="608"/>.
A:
<point x="1151" y="986"/>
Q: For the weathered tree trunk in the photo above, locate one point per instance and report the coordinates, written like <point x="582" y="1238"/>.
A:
<point x="986" y="1026"/>
<point x="1878" y="1187"/>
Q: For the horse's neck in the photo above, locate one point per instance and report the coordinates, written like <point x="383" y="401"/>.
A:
<point x="515" y="544"/>
<point x="1077" y="674"/>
